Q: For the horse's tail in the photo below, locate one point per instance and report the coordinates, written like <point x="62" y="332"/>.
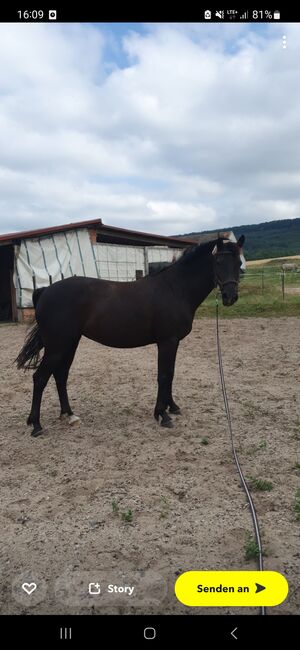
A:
<point x="29" y="356"/>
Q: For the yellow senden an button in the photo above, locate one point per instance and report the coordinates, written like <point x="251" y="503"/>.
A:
<point x="231" y="588"/>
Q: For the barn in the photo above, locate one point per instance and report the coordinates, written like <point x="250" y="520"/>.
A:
<point x="37" y="258"/>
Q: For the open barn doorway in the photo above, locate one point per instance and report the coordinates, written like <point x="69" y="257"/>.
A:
<point x="8" y="310"/>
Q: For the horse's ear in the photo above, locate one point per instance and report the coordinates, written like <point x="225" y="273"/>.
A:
<point x="241" y="241"/>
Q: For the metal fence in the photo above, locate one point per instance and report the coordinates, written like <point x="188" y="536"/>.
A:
<point x="265" y="281"/>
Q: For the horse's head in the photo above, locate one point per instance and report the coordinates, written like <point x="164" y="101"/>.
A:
<point x="227" y="265"/>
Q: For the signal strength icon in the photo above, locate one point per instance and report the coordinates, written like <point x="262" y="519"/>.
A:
<point x="244" y="16"/>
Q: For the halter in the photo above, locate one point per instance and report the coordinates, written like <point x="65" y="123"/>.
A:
<point x="217" y="280"/>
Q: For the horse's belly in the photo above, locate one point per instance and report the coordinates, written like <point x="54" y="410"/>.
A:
<point x="126" y="343"/>
<point x="120" y="341"/>
<point x="120" y="333"/>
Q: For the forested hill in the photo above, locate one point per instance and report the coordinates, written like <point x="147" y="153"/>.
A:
<point x="269" y="239"/>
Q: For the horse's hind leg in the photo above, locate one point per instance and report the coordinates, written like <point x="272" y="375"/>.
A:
<point x="166" y="361"/>
<point x="61" y="377"/>
<point x="40" y="380"/>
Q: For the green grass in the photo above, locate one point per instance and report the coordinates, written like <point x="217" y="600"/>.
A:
<point x="164" y="508"/>
<point x="263" y="444"/>
<point x="296" y="436"/>
<point x="127" y="516"/>
<point x="253" y="449"/>
<point x="296" y="505"/>
<point x="295" y="428"/>
<point x="253" y="300"/>
<point x="115" y="506"/>
<point x="204" y="441"/>
<point x="251" y="549"/>
<point x="260" y="484"/>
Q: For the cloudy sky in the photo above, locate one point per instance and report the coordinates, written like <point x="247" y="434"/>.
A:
<point x="164" y="128"/>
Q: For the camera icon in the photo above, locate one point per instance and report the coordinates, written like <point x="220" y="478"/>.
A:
<point x="52" y="14"/>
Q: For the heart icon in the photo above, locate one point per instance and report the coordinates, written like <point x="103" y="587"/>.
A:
<point x="29" y="587"/>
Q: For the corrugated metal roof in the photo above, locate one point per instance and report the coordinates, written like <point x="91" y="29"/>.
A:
<point x="30" y="234"/>
<point x="139" y="233"/>
<point x="25" y="234"/>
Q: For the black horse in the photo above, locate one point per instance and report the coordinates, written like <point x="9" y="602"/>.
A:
<point x="158" y="308"/>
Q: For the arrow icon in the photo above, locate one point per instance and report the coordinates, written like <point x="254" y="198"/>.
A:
<point x="259" y="587"/>
<point x="232" y="633"/>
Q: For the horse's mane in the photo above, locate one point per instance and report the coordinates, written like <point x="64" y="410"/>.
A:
<point x="201" y="250"/>
<point x="197" y="251"/>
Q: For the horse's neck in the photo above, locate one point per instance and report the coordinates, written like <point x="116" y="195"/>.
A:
<point x="196" y="280"/>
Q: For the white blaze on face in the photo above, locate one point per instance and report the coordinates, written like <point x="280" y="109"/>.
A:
<point x="243" y="265"/>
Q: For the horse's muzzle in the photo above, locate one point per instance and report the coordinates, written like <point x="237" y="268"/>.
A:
<point x="229" y="298"/>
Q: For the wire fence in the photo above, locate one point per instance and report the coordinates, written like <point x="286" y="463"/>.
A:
<point x="269" y="292"/>
<point x="272" y="281"/>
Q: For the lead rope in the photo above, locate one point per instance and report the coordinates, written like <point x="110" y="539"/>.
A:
<point x="243" y="480"/>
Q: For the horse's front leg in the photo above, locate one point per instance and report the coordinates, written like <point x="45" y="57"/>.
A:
<point x="173" y="407"/>
<point x="166" y="363"/>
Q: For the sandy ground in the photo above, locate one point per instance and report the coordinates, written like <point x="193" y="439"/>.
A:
<point x="64" y="495"/>
<point x="272" y="259"/>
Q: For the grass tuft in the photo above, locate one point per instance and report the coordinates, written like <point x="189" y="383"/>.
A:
<point x="251" y="548"/>
<point x="260" y="484"/>
<point x="115" y="507"/>
<point x="296" y="505"/>
<point x="127" y="516"/>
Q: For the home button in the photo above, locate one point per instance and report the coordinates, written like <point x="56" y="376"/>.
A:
<point x="149" y="633"/>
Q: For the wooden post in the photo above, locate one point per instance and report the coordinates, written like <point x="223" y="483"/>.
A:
<point x="282" y="283"/>
<point x="146" y="261"/>
<point x="14" y="310"/>
<point x="262" y="281"/>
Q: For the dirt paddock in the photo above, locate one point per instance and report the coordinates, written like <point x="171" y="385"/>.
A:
<point x="119" y="500"/>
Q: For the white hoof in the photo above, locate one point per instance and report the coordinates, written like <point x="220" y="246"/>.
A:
<point x="73" y="419"/>
<point x="64" y="416"/>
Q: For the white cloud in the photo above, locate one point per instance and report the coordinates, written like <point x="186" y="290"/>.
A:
<point x="278" y="209"/>
<point x="174" y="214"/>
<point x="198" y="128"/>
